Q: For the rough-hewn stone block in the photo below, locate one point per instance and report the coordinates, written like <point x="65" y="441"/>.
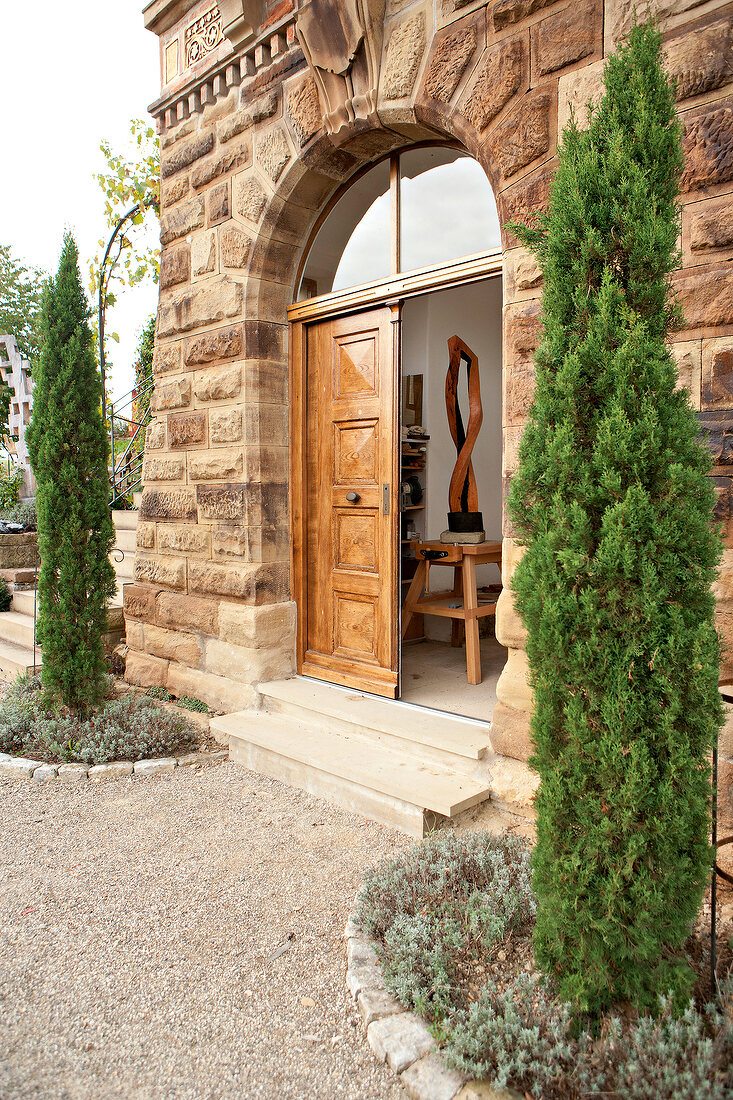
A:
<point x="700" y="60"/>
<point x="249" y="197"/>
<point x="167" y="358"/>
<point x="564" y="38"/>
<point x="175" y="266"/>
<point x="145" y="671"/>
<point x="225" y="343"/>
<point x="265" y="382"/>
<point x="498" y="79"/>
<point x="181" y="221"/>
<point x="716" y="428"/>
<point x="174" y="192"/>
<point x="138" y="602"/>
<point x="717" y="373"/>
<point x="186" y="154"/>
<point x="510" y="732"/>
<point x="218" y="383"/>
<point x="273" y="152"/>
<point x="249" y="666"/>
<point x="214" y="465"/>
<point x="225" y="425"/>
<point x="304" y="110"/>
<point x="230" y="544"/>
<point x="265" y="464"/>
<point x="711" y="225"/>
<point x="145" y="536"/>
<point x="168" y="572"/>
<point x="449" y="62"/>
<point x="254" y="627"/>
<point x="252" y="114"/>
<point x="186" y="612"/>
<point x="220" y="207"/>
<point x="523" y="135"/>
<point x="405" y="50"/>
<point x="223" y="503"/>
<point x="506" y="12"/>
<point x="210" y="170"/>
<point x="203" y="254"/>
<point x="155" y="435"/>
<point x="173" y="645"/>
<point x="175" y="394"/>
<point x="234" y="248"/>
<point x="218" y="692"/>
<point x="264" y="423"/>
<point x="510" y="630"/>
<point x="708" y="147"/>
<point x="256" y="584"/>
<point x="512" y="687"/>
<point x="687" y="357"/>
<point x="187" y="429"/>
<point x="164" y="504"/>
<point x="575" y="90"/>
<point x="188" y="538"/>
<point x="164" y="469"/>
<point x="209" y="304"/>
<point x="523" y="201"/>
<point x="705" y="295"/>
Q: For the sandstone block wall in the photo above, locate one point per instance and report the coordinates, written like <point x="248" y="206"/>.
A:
<point x="255" y="141"/>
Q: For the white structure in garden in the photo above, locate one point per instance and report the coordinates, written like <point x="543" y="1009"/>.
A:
<point x="17" y="372"/>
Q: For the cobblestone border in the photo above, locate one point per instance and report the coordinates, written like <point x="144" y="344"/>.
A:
<point x="401" y="1038"/>
<point x="21" y="767"/>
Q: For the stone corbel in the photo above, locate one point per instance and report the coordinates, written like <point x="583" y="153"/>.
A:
<point x="342" y="43"/>
<point x="241" y="19"/>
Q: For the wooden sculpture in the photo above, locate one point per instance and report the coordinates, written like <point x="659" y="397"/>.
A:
<point x="463" y="514"/>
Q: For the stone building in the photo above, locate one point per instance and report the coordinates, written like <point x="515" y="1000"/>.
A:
<point x="284" y="126"/>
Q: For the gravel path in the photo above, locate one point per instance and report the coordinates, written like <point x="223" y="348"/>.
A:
<point x="181" y="937"/>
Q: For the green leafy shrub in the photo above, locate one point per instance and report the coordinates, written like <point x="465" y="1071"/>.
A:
<point x="10" y="484"/>
<point x="130" y="727"/>
<point x="429" y="908"/>
<point x="440" y="911"/>
<point x="6" y="596"/>
<point x="24" y="512"/>
<point x="190" y="702"/>
<point x="159" y="693"/>
<point x="612" y="501"/>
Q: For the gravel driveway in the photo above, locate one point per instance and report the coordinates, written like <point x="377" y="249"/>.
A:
<point x="181" y="937"/>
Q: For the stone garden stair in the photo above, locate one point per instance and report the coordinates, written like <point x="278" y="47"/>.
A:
<point x="16" y="625"/>
<point x="396" y="763"/>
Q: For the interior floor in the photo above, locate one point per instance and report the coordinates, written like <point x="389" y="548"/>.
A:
<point x="434" y="675"/>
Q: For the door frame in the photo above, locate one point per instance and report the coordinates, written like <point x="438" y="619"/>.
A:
<point x="387" y="293"/>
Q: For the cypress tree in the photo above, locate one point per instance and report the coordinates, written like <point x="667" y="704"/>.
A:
<point x="68" y="448"/>
<point x="612" y="501"/>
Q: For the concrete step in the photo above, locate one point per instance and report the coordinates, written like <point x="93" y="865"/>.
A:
<point x="125" y="569"/>
<point x="23" y="605"/>
<point x="354" y="771"/>
<point x="15" y="660"/>
<point x="17" y="629"/>
<point x="124" y="520"/>
<point x="126" y="540"/>
<point x="444" y="739"/>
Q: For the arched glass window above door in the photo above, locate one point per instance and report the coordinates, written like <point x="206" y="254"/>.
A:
<point x="426" y="206"/>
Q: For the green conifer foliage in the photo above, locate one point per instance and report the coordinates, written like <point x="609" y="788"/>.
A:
<point x="68" y="449"/>
<point x="613" y="504"/>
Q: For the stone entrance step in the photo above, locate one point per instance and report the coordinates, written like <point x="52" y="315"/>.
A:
<point x="432" y="736"/>
<point x="123" y="556"/>
<point x="352" y="770"/>
<point x="16" y="659"/>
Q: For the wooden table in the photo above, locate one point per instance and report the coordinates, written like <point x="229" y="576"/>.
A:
<point x="464" y="560"/>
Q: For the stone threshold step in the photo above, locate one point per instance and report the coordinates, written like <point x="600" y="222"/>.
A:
<point x="16" y="628"/>
<point x="353" y="760"/>
<point x="448" y="733"/>
<point x="124" y="519"/>
<point x="16" y="659"/>
<point x="23" y="604"/>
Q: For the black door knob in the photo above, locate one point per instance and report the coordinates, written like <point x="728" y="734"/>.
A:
<point x="353" y="497"/>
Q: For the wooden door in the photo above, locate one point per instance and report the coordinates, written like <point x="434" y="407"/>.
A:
<point x="345" y="558"/>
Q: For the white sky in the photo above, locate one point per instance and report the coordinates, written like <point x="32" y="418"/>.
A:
<point x="80" y="73"/>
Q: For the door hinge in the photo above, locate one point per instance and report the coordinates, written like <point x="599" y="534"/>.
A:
<point x="385" y="498"/>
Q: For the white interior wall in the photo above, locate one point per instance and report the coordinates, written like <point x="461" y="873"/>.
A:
<point x="474" y="313"/>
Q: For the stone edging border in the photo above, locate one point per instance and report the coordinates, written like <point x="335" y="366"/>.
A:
<point x="399" y="1037"/>
<point x="21" y="767"/>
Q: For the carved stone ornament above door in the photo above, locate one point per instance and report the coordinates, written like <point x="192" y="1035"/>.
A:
<point x="342" y="43"/>
<point x="241" y="19"/>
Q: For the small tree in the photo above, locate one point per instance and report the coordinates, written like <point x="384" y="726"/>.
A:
<point x="612" y="501"/>
<point x="68" y="450"/>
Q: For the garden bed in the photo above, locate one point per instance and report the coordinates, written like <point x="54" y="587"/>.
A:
<point x="452" y="922"/>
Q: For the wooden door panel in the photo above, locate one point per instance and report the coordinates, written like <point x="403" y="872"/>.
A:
<point x="350" y="559"/>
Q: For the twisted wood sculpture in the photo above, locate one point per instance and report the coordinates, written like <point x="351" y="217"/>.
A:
<point x="462" y="494"/>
